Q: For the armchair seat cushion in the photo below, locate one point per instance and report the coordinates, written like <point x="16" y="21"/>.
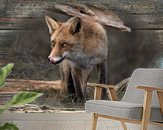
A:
<point x="125" y="110"/>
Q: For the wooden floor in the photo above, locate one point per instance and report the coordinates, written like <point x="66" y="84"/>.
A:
<point x="57" y="121"/>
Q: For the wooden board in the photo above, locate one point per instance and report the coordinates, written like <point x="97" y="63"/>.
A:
<point x="34" y="8"/>
<point x="136" y="22"/>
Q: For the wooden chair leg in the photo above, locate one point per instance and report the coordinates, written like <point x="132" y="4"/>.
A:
<point x="94" y="121"/>
<point x="124" y="125"/>
<point x="146" y="110"/>
<point x="160" y="98"/>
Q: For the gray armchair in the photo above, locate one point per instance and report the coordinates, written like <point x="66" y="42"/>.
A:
<point x="141" y="104"/>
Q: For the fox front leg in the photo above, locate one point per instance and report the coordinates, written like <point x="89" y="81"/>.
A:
<point x="80" y="79"/>
<point x="85" y="74"/>
<point x="66" y="78"/>
<point x="103" y="77"/>
<point x="76" y="76"/>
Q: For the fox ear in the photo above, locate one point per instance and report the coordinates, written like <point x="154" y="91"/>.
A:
<point x="75" y="25"/>
<point x="52" y="24"/>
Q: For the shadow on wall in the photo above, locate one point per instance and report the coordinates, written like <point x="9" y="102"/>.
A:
<point x="128" y="51"/>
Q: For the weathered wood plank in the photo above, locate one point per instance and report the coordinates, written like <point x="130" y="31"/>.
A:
<point x="8" y="37"/>
<point x="28" y="8"/>
<point x="20" y="85"/>
<point x="6" y="40"/>
<point x="140" y="22"/>
<point x="18" y="23"/>
<point x="27" y="14"/>
<point x="143" y="22"/>
<point x="133" y="7"/>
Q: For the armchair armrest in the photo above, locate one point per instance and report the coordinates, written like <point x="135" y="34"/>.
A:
<point x="101" y="85"/>
<point x="98" y="90"/>
<point x="148" y="95"/>
<point x="150" y="88"/>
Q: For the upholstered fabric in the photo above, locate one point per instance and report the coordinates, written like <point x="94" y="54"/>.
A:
<point x="143" y="77"/>
<point x="125" y="110"/>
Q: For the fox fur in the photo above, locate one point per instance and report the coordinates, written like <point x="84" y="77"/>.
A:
<point x="80" y="45"/>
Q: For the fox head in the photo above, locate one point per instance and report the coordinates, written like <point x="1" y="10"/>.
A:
<point x="65" y="38"/>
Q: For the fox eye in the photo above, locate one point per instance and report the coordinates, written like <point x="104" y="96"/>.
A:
<point x="64" y="44"/>
<point x="52" y="45"/>
<point x="52" y="41"/>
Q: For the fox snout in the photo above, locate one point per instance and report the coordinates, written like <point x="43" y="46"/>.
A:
<point x="55" y="60"/>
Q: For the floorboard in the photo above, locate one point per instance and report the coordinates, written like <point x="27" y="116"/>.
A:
<point x="57" y="121"/>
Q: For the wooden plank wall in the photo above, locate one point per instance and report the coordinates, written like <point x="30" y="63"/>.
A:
<point x="145" y="17"/>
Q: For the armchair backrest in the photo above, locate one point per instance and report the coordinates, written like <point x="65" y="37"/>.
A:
<point x="143" y="77"/>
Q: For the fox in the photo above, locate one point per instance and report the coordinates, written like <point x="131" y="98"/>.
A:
<point x="79" y="45"/>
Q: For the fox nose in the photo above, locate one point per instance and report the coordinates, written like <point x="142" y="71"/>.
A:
<point x="51" y="59"/>
<point x="54" y="60"/>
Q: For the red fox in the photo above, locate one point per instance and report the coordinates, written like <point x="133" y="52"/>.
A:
<point x="80" y="44"/>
